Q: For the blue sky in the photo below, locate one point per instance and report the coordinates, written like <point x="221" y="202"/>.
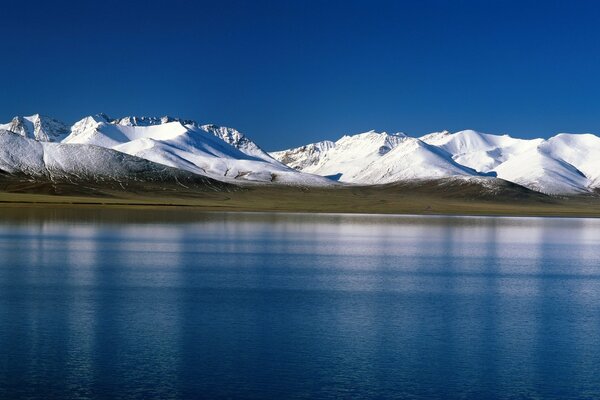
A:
<point x="292" y="72"/>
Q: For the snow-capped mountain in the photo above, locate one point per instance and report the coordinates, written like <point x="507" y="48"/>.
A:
<point x="344" y="160"/>
<point x="229" y="135"/>
<point x="59" y="162"/>
<point x="538" y="171"/>
<point x="305" y="156"/>
<point x="374" y="158"/>
<point x="100" y="147"/>
<point x="480" y="151"/>
<point x="188" y="146"/>
<point x="412" y="159"/>
<point x="563" y="164"/>
<point x="581" y="151"/>
<point x="535" y="163"/>
<point x="37" y="127"/>
<point x="237" y="140"/>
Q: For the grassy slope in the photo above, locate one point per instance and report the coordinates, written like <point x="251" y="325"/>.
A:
<point x="429" y="198"/>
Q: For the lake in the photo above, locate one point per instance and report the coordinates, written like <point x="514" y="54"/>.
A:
<point x="182" y="304"/>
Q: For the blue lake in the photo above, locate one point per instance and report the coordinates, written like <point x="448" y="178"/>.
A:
<point x="182" y="305"/>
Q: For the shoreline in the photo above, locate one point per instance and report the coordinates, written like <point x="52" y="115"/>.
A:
<point x="321" y="203"/>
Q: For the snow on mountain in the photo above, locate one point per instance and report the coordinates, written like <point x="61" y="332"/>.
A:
<point x="237" y="140"/>
<point x="86" y="124"/>
<point x="537" y="170"/>
<point x="37" y="127"/>
<point x="31" y="158"/>
<point x="580" y="150"/>
<point x="344" y="159"/>
<point x="480" y="151"/>
<point x="563" y="164"/>
<point x="228" y="135"/>
<point x="146" y="121"/>
<point x="372" y="158"/>
<point x="412" y="159"/>
<point x="188" y="147"/>
<point x="305" y="156"/>
<point x="549" y="166"/>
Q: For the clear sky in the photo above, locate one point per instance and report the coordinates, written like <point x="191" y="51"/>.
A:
<point x="292" y="72"/>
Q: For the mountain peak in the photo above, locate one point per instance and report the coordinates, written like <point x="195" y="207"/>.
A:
<point x="565" y="163"/>
<point x="229" y="135"/>
<point x="303" y="157"/>
<point x="371" y="141"/>
<point x="373" y="133"/>
<point x="150" y="121"/>
<point x="38" y="127"/>
<point x="238" y="140"/>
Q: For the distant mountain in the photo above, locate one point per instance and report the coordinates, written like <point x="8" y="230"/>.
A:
<point x="58" y="162"/>
<point x="374" y="158"/>
<point x="102" y="148"/>
<point x="229" y="135"/>
<point x="344" y="160"/>
<point x="531" y="163"/>
<point x="305" y="157"/>
<point x="238" y="140"/>
<point x="563" y="164"/>
<point x="480" y="151"/>
<point x="189" y="146"/>
<point x="581" y="151"/>
<point x="37" y="127"/>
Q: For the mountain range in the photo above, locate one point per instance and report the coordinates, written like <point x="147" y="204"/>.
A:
<point x="100" y="148"/>
<point x="563" y="164"/>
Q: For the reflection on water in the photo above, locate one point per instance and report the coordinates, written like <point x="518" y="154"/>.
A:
<point x="180" y="304"/>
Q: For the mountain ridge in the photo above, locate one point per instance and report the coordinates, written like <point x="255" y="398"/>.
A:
<point x="564" y="164"/>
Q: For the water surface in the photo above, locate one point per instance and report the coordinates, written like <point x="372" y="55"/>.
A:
<point x="132" y="304"/>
